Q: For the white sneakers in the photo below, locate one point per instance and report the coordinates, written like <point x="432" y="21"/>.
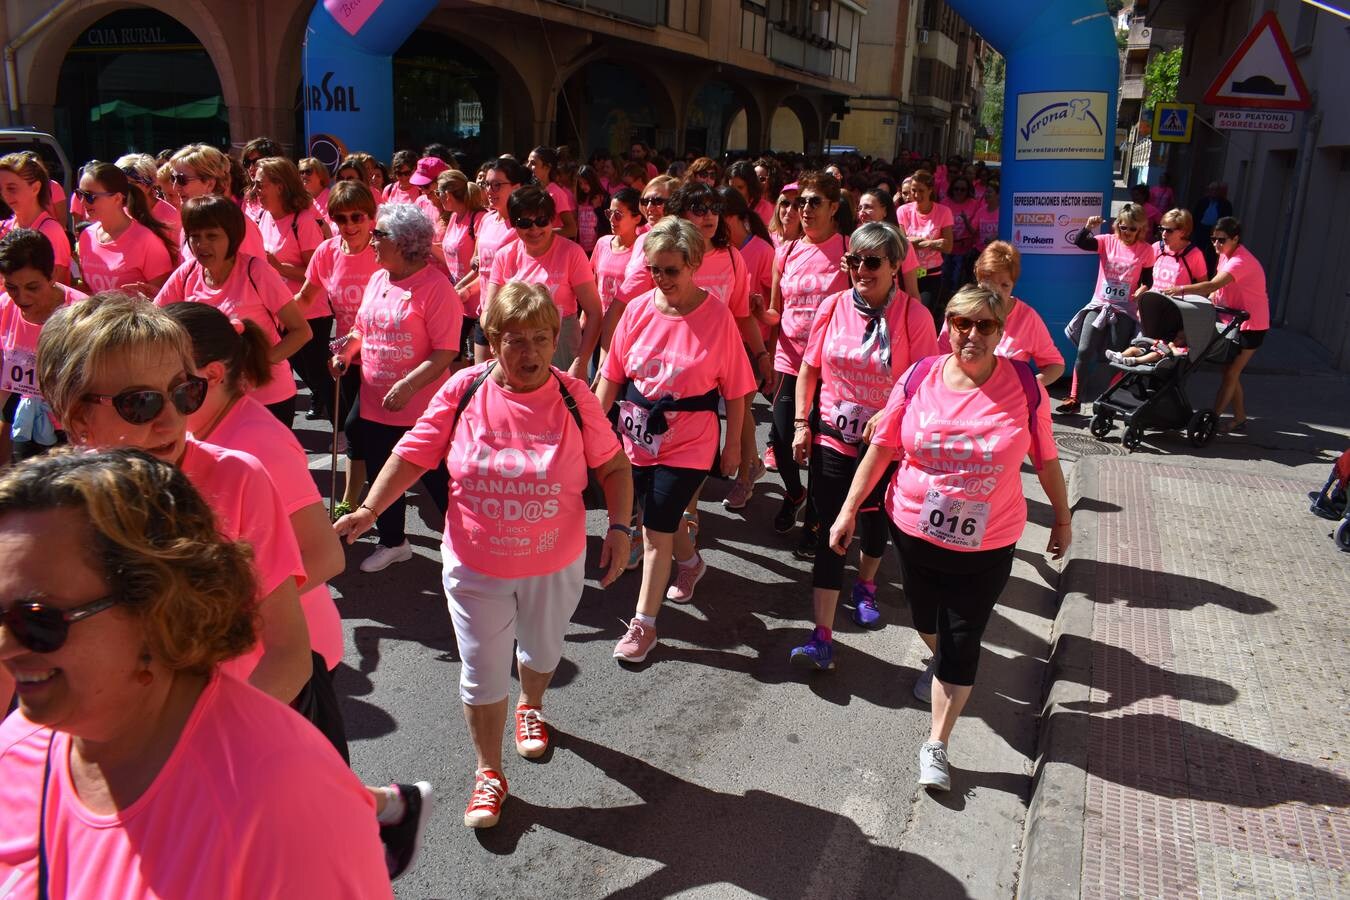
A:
<point x="384" y="557"/>
<point x="933" y="771"/>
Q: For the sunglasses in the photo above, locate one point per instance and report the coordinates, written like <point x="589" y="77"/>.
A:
<point x="404" y="173"/>
<point x="1166" y="230"/>
<point x="44" y="629"/>
<point x="344" y="219"/>
<point x="616" y="213"/>
<point x="1128" y="229"/>
<point x="307" y="171"/>
<point x="963" y="324"/>
<point x="497" y="185"/>
<point x="701" y="210"/>
<point x="871" y="263"/>
<point x="251" y="161"/>
<point x="813" y="202"/>
<point x="380" y="234"/>
<point x="178" y="179"/>
<point x="652" y="201"/>
<point x="91" y="196"/>
<point x="138" y="407"/>
<point x="524" y="222"/>
<point x="1219" y="240"/>
<point x="668" y="272"/>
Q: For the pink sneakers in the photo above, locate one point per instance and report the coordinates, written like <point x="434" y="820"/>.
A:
<point x="634" y="646"/>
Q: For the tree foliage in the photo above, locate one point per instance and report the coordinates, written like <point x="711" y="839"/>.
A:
<point x="991" y="110"/>
<point x="1162" y="78"/>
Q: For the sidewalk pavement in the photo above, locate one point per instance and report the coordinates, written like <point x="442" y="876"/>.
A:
<point x="1194" y="733"/>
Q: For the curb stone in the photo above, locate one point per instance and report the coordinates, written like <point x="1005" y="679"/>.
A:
<point x="1052" y="844"/>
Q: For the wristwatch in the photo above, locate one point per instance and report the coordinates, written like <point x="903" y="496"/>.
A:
<point x="618" y="526"/>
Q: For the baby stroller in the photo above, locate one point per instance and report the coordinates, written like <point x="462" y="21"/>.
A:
<point x="1331" y="501"/>
<point x="1154" y="396"/>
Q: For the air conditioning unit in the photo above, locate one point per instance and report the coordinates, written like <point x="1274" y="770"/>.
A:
<point x="923" y="35"/>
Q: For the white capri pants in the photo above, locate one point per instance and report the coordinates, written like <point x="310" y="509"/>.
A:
<point x="489" y="614"/>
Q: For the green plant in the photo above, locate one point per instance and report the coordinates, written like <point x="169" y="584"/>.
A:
<point x="1162" y="76"/>
<point x="991" y="110"/>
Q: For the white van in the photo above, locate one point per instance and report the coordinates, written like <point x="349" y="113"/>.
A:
<point x="17" y="140"/>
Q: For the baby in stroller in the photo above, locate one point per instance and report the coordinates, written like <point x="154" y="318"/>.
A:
<point x="1145" y="351"/>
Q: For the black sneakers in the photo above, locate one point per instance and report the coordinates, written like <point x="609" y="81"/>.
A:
<point x="403" y="839"/>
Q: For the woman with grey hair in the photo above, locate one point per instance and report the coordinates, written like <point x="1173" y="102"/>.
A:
<point x="861" y="340"/>
<point x="407" y="334"/>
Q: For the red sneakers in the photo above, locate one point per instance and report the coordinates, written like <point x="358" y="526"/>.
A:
<point x="485" y="803"/>
<point x="531" y="732"/>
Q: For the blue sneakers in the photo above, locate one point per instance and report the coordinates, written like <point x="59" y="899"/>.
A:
<point x="865" y="612"/>
<point x="817" y="653"/>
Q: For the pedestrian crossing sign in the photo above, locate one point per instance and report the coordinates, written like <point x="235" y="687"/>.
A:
<point x="1172" y="122"/>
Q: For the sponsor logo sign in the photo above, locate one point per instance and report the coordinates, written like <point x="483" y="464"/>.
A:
<point x="1046" y="221"/>
<point x="1061" y="125"/>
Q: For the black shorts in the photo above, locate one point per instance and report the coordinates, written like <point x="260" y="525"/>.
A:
<point x="1250" y="340"/>
<point x="11" y="405"/>
<point x="663" y="492"/>
<point x="479" y="337"/>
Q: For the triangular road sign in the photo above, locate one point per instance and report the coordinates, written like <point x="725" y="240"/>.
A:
<point x="1262" y="73"/>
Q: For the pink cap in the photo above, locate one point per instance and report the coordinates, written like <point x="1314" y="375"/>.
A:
<point x="428" y="168"/>
<point x="790" y="187"/>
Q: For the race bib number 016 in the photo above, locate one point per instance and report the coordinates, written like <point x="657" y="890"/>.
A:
<point x="953" y="521"/>
<point x="633" y="419"/>
<point x="1117" y="292"/>
<point x="850" y="419"/>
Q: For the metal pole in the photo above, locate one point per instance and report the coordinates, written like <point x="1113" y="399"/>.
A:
<point x="1285" y="269"/>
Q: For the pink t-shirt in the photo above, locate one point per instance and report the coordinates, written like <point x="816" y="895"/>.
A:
<point x="764" y="209"/>
<point x="287" y="239"/>
<point x="920" y="227"/>
<point x="397" y="193"/>
<point x="494" y="234"/>
<point x="1121" y="266"/>
<point x="52" y="229"/>
<point x="252" y="291"/>
<point x="855" y="381"/>
<point x="250" y="428"/>
<point x="321" y="203"/>
<point x="137" y="255"/>
<point x="563" y="201"/>
<point x="964" y="231"/>
<point x="959" y="483"/>
<point x="808" y="273"/>
<point x="758" y="255"/>
<point x="985" y="221"/>
<point x="248" y="508"/>
<point x="518" y="466"/>
<point x="401" y="323"/>
<point x="252" y="244"/>
<point x="1248" y="290"/>
<point x="609" y="266"/>
<point x="723" y="274"/>
<point x="679" y="356"/>
<point x="1170" y="269"/>
<point x="18" y="345"/>
<point x="343" y="278"/>
<point x="562" y="268"/>
<point x="458" y="244"/>
<point x="252" y="804"/>
<point x="167" y="213"/>
<point x="1025" y="338"/>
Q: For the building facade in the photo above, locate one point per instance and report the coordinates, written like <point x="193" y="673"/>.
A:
<point x="506" y="75"/>
<point x="1290" y="190"/>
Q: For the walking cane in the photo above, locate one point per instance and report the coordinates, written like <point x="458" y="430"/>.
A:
<point x="337" y="397"/>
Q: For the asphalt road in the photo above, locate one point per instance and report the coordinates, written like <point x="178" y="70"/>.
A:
<point x="714" y="769"/>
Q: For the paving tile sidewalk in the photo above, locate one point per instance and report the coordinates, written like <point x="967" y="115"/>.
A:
<point x="1195" y="736"/>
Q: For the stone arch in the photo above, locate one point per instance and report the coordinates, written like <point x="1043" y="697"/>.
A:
<point x="809" y="117"/>
<point x="576" y="82"/>
<point x="746" y="105"/>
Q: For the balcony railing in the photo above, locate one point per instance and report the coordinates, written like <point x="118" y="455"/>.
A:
<point x="1132" y="87"/>
<point x="797" y="53"/>
<point x="643" y="12"/>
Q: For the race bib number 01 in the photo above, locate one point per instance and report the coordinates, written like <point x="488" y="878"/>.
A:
<point x="633" y="419"/>
<point x="850" y="419"/>
<point x="20" y="373"/>
<point x="953" y="521"/>
<point x="1117" y="292"/>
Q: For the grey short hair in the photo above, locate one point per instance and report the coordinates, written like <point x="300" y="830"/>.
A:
<point x="409" y="229"/>
<point x="975" y="300"/>
<point x="675" y="235"/>
<point x="881" y="236"/>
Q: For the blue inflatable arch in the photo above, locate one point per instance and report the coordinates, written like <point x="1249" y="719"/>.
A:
<point x="1058" y="124"/>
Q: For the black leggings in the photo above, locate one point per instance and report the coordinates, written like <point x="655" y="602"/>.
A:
<point x="934" y="296"/>
<point x="831" y="477"/>
<point x="951" y="593"/>
<point x="318" y="702"/>
<point x="311" y="364"/>
<point x="784" y="412"/>
<point x="377" y="444"/>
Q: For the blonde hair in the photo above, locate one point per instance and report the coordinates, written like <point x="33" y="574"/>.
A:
<point x="669" y="182"/>
<point x="79" y="340"/>
<point x="520" y="305"/>
<point x="155" y="541"/>
<point x="457" y="184"/>
<point x="1132" y="213"/>
<point x="294" y="197"/>
<point x="319" y="169"/>
<point x="998" y="256"/>
<point x="675" y="235"/>
<point x="976" y="298"/>
<point x="27" y="165"/>
<point x="206" y="162"/>
<point x="1179" y="218"/>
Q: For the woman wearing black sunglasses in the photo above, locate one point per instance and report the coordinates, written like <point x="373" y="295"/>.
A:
<point x="541" y="255"/>
<point x="500" y="180"/>
<point x="119" y="604"/>
<point x="200" y="170"/>
<point x="119" y="372"/>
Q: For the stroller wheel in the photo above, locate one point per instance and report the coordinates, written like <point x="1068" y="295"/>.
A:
<point x="1343" y="536"/>
<point x="1101" y="426"/>
<point x="1132" y="438"/>
<point x="1201" y="428"/>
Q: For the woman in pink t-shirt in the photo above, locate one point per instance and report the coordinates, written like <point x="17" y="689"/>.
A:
<point x="464" y="206"/>
<point x="540" y="255"/>
<point x="26" y="189"/>
<point x="805" y="273"/>
<point x="1025" y="336"/>
<point x="960" y="199"/>
<point x="612" y="254"/>
<point x="931" y="230"/>
<point x="125" y="247"/>
<point x="314" y="175"/>
<point x="406" y="334"/>
<point x="960" y="426"/>
<point x="543" y="163"/>
<point x="31" y="297"/>
<point x="518" y="438"/>
<point x="1111" y="317"/>
<point x="862" y="339"/>
<point x="200" y="170"/>
<point x="675" y="353"/>
<point x="1239" y="283"/>
<point x="785" y="224"/>
<point x="401" y="189"/>
<point x="986" y="216"/>
<point x="220" y="274"/>
<point x="134" y="766"/>
<point x="1177" y="260"/>
<point x="140" y="169"/>
<point x="502" y="178"/>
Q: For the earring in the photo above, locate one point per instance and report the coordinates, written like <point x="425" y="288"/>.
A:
<point x="144" y="677"/>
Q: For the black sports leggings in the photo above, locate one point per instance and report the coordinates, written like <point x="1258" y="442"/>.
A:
<point x="784" y="411"/>
<point x="934" y="296"/>
<point x="951" y="593"/>
<point x="831" y="477"/>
